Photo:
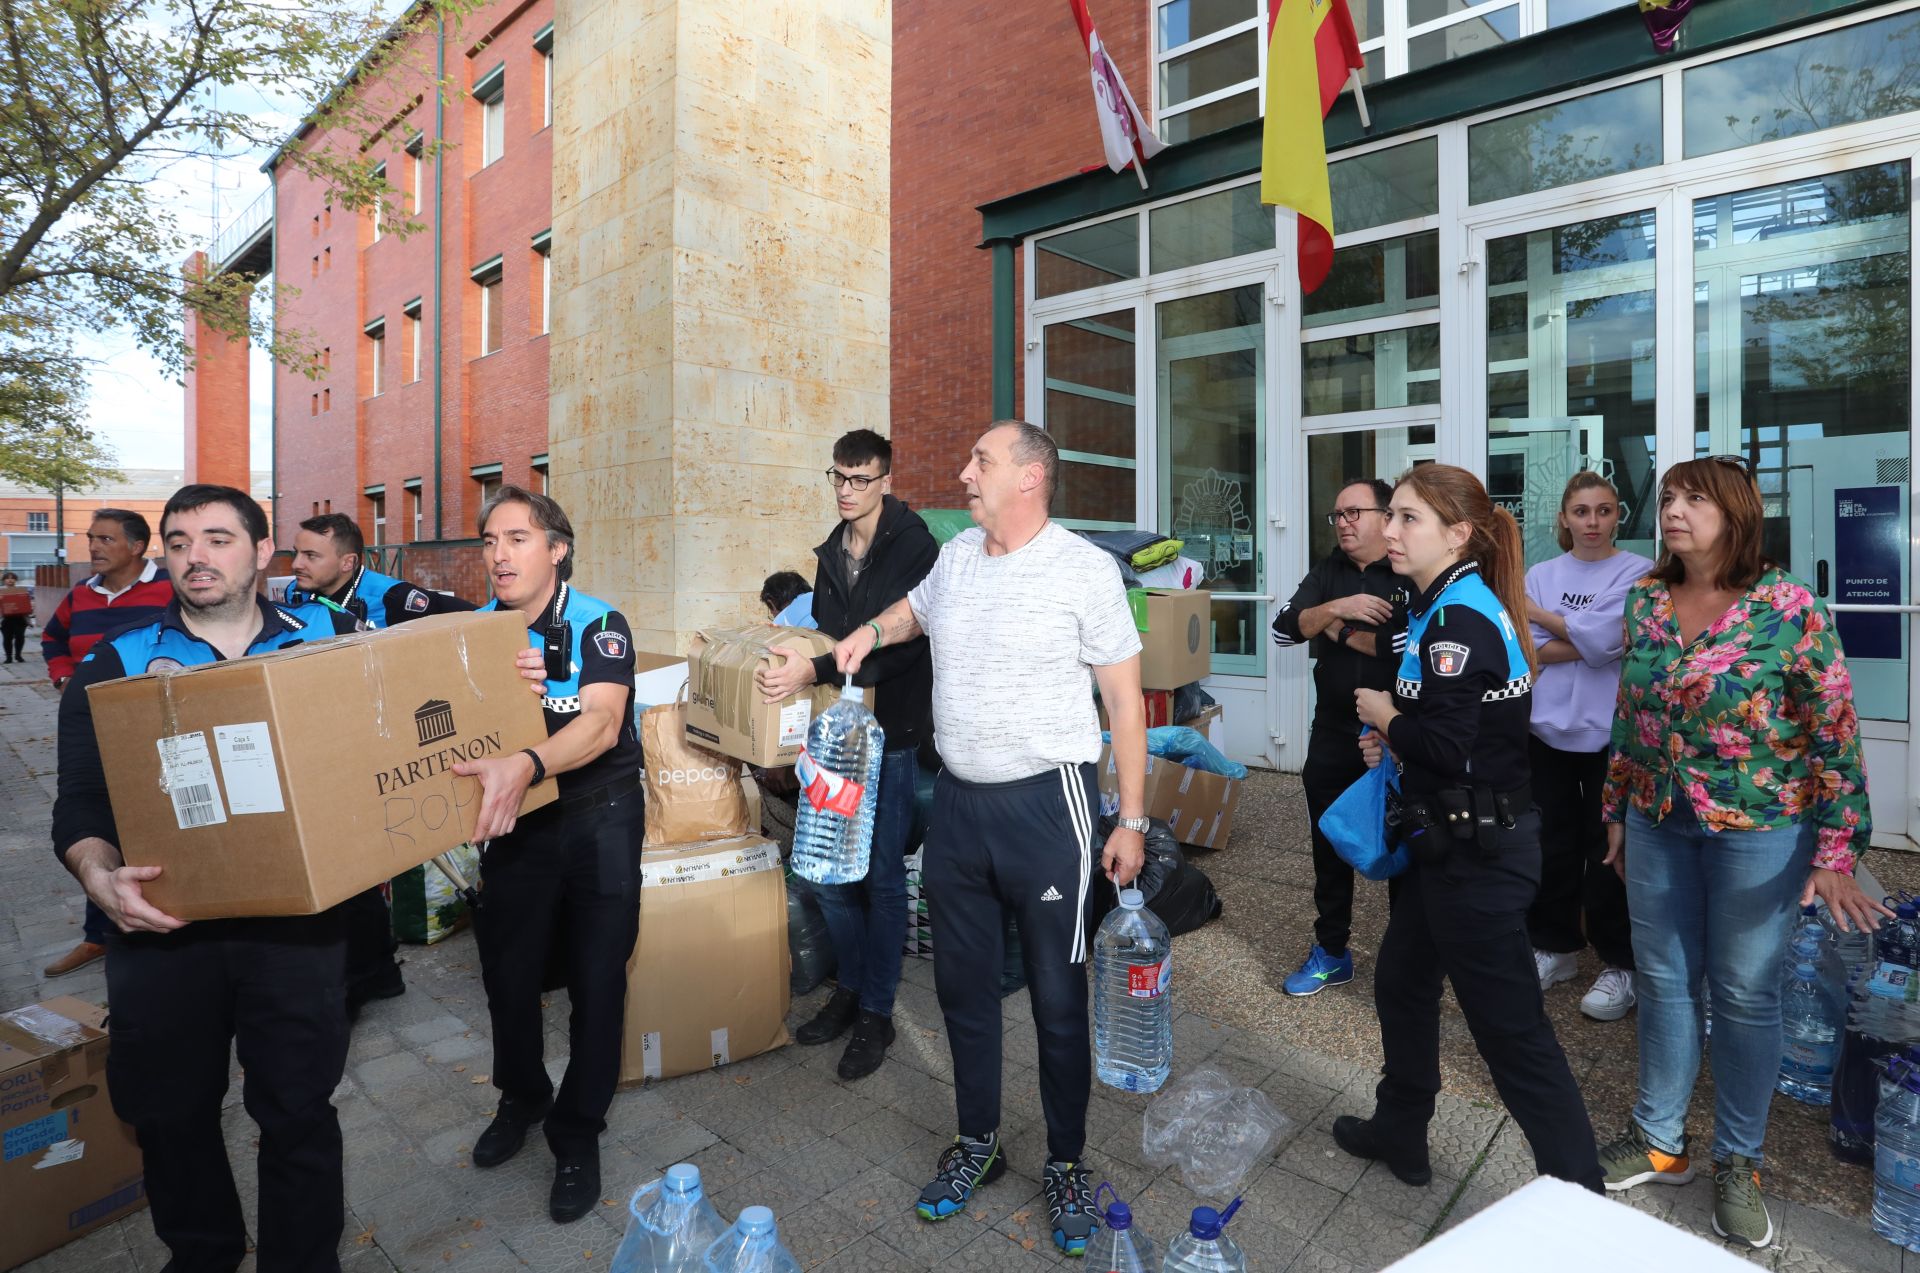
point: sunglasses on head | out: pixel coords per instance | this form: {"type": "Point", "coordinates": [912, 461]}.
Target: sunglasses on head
{"type": "Point", "coordinates": [1741, 462]}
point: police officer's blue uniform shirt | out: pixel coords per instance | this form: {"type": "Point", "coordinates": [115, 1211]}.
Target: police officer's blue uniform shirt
{"type": "Point", "coordinates": [381, 601]}
{"type": "Point", "coordinates": [81, 810]}
{"type": "Point", "coordinates": [600, 652]}
{"type": "Point", "coordinates": [1465, 690]}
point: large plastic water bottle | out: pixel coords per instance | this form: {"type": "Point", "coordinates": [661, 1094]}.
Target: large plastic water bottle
{"type": "Point", "coordinates": [1204, 1247]}
{"type": "Point", "coordinates": [1118, 1246]}
{"type": "Point", "coordinates": [1809, 1028]}
{"type": "Point", "coordinates": [750, 1246]}
{"type": "Point", "coordinates": [839, 775]}
{"type": "Point", "coordinates": [1883, 1017]}
{"type": "Point", "coordinates": [670, 1225]}
{"type": "Point", "coordinates": [1132, 1009]}
{"type": "Point", "coordinates": [1896, 1158]}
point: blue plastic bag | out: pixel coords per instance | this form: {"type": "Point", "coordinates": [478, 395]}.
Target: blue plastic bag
{"type": "Point", "coordinates": [1356, 825]}
{"type": "Point", "coordinates": [1187, 745]}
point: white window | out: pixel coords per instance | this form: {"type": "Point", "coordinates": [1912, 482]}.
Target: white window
{"type": "Point", "coordinates": [417, 170]}
{"type": "Point", "coordinates": [413, 340]}
{"type": "Point", "coordinates": [1210, 56]}
{"type": "Point", "coordinates": [488, 476]}
{"type": "Point", "coordinates": [487, 277]}
{"type": "Point", "coordinates": [546, 88]}
{"type": "Point", "coordinates": [37, 522]}
{"type": "Point", "coordinates": [379, 200]}
{"type": "Point", "coordinates": [491, 92]}
{"type": "Point", "coordinates": [539, 472]}
{"type": "Point", "coordinates": [377, 505]}
{"type": "Point", "coordinates": [377, 353]}
{"type": "Point", "coordinates": [543, 274]}
{"type": "Point", "coordinates": [413, 507]}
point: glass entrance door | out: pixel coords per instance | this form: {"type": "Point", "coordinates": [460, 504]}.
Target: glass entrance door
{"type": "Point", "coordinates": [1802, 365]}
{"type": "Point", "coordinates": [1570, 371]}
{"type": "Point", "coordinates": [1212, 457]}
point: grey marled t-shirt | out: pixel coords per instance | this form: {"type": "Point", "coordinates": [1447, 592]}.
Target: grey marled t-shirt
{"type": "Point", "coordinates": [1015, 640]}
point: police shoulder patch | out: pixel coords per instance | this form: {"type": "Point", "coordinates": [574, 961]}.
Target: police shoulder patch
{"type": "Point", "coordinates": [416, 601]}
{"type": "Point", "coordinates": [611, 644]}
{"type": "Point", "coordinates": [1449, 658]}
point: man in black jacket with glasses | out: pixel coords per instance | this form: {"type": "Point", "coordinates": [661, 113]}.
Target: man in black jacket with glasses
{"type": "Point", "coordinates": [873, 558]}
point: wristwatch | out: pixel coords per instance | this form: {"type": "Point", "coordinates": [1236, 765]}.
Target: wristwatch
{"type": "Point", "coordinates": [1346, 630]}
{"type": "Point", "coordinates": [1139, 825]}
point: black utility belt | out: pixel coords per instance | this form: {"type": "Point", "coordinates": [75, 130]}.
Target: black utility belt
{"type": "Point", "coordinates": [605, 794]}
{"type": "Point", "coordinates": [1432, 826]}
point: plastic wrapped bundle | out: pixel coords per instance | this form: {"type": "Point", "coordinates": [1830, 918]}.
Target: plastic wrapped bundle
{"type": "Point", "coordinates": [1213, 1131]}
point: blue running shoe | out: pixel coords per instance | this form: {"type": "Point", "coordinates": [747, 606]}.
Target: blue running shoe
{"type": "Point", "coordinates": [1320, 971]}
{"type": "Point", "coordinates": [1069, 1206]}
{"type": "Point", "coordinates": [964, 1166]}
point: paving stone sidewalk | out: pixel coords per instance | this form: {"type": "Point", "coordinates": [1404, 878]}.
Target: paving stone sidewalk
{"type": "Point", "coordinates": [839, 1163]}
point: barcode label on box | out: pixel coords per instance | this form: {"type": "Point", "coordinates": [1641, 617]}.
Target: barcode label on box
{"type": "Point", "coordinates": [721, 1052]}
{"type": "Point", "coordinates": [248, 769]}
{"type": "Point", "coordinates": [186, 775]}
{"type": "Point", "coordinates": [650, 1054]}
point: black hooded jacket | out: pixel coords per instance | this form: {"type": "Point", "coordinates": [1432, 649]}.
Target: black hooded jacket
{"type": "Point", "coordinates": [902, 553]}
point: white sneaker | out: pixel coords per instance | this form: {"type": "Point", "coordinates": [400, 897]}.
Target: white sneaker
{"type": "Point", "coordinates": [1611, 996]}
{"type": "Point", "coordinates": [1553, 968]}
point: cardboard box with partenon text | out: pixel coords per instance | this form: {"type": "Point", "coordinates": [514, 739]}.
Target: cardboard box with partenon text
{"type": "Point", "coordinates": [68, 1165]}
{"type": "Point", "coordinates": [284, 783]}
{"type": "Point", "coordinates": [726, 711]}
{"type": "Point", "coordinates": [707, 983]}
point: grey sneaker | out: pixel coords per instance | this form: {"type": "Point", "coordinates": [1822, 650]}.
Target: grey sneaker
{"type": "Point", "coordinates": [1630, 1159]}
{"type": "Point", "coordinates": [1739, 1212]}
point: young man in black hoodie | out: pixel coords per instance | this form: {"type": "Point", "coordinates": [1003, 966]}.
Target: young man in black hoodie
{"type": "Point", "coordinates": [873, 558]}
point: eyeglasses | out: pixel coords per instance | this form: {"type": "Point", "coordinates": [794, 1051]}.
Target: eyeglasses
{"type": "Point", "coordinates": [1741, 462]}
{"type": "Point", "coordinates": [858, 481]}
{"type": "Point", "coordinates": [1339, 515]}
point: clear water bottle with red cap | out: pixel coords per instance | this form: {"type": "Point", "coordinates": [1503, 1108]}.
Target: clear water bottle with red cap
{"type": "Point", "coordinates": [839, 776]}
{"type": "Point", "coordinates": [1205, 1246]}
{"type": "Point", "coordinates": [1119, 1245]}
{"type": "Point", "coordinates": [1132, 1009]}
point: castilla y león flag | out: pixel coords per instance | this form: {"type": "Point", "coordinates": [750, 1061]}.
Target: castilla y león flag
{"type": "Point", "coordinates": [1123, 129]}
{"type": "Point", "coordinates": [1311, 52]}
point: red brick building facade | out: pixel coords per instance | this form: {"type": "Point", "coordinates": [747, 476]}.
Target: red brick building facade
{"type": "Point", "coordinates": [975, 119]}
{"type": "Point", "coordinates": [964, 112]}
{"type": "Point", "coordinates": [403, 347]}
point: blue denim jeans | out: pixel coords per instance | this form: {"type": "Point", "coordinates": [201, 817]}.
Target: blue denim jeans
{"type": "Point", "coordinates": [868, 920]}
{"type": "Point", "coordinates": [1718, 906]}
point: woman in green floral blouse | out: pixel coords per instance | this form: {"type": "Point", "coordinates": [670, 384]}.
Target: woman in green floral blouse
{"type": "Point", "coordinates": [1735, 794]}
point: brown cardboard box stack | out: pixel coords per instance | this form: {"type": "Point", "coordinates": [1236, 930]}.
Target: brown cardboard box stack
{"type": "Point", "coordinates": [726, 712]}
{"type": "Point", "coordinates": [707, 983]}
{"type": "Point", "coordinates": [1174, 645]}
{"type": "Point", "coordinates": [68, 1165]}
{"type": "Point", "coordinates": [284, 783]}
{"type": "Point", "coordinates": [1198, 805]}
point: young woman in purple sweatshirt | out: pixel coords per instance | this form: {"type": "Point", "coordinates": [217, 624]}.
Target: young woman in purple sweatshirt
{"type": "Point", "coordinates": [1577, 603]}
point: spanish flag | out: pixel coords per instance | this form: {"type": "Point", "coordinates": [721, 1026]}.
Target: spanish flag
{"type": "Point", "coordinates": [1311, 52]}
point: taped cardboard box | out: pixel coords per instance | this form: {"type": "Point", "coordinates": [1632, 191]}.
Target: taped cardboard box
{"type": "Point", "coordinates": [1174, 645]}
{"type": "Point", "coordinates": [284, 783]}
{"type": "Point", "coordinates": [725, 711]}
{"type": "Point", "coordinates": [67, 1165]}
{"type": "Point", "coordinates": [707, 983]}
{"type": "Point", "coordinates": [1198, 805]}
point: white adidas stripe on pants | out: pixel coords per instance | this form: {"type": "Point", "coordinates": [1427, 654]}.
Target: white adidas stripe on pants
{"type": "Point", "coordinates": [1081, 816]}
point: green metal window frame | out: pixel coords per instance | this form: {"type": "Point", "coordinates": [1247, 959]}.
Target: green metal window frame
{"type": "Point", "coordinates": [492, 84]}
{"type": "Point", "coordinates": [543, 39]}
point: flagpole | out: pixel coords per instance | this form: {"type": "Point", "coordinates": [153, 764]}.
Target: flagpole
{"type": "Point", "coordinates": [1360, 99]}
{"type": "Point", "coordinates": [1139, 173]}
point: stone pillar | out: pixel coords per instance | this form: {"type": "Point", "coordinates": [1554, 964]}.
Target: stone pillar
{"type": "Point", "coordinates": [219, 406]}
{"type": "Point", "coordinates": [720, 291]}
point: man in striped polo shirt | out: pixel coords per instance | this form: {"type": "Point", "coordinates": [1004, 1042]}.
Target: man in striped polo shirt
{"type": "Point", "coordinates": [126, 587]}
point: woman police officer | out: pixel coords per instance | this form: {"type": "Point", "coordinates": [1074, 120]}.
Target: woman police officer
{"type": "Point", "coordinates": [1457, 723]}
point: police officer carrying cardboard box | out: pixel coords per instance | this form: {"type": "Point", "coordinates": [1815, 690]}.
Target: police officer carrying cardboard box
{"type": "Point", "coordinates": [183, 994]}
{"type": "Point", "coordinates": [569, 873]}
{"type": "Point", "coordinates": [329, 566]}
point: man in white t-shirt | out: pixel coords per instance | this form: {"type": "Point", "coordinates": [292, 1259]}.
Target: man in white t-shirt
{"type": "Point", "coordinates": [1022, 616]}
